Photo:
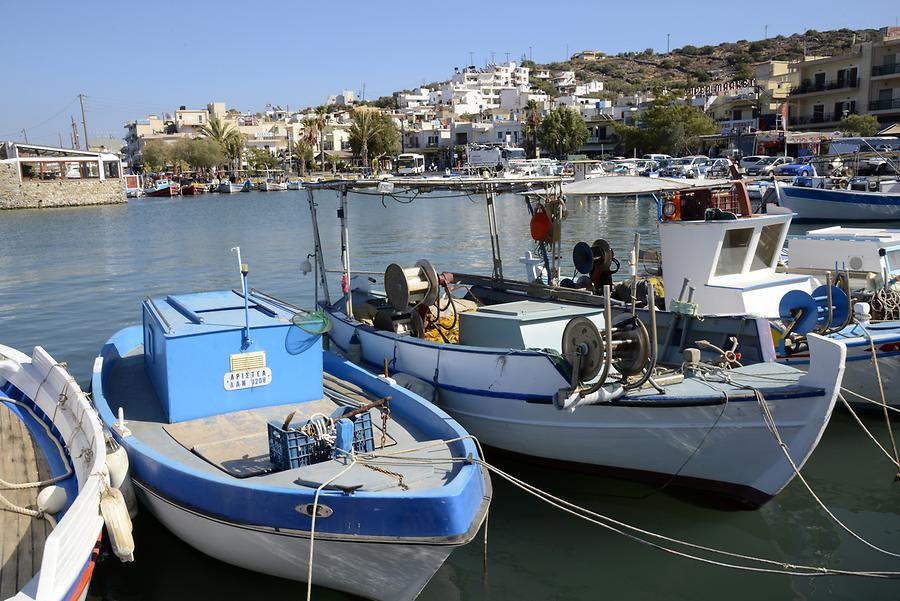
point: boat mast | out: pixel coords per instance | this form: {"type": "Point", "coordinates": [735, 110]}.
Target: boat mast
{"type": "Point", "coordinates": [345, 253]}
{"type": "Point", "coordinates": [320, 259]}
{"type": "Point", "coordinates": [495, 238]}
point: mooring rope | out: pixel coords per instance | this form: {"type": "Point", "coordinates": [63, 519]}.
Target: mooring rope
{"type": "Point", "coordinates": [887, 417]}
{"type": "Point", "coordinates": [866, 430]}
{"type": "Point", "coordinates": [770, 422]}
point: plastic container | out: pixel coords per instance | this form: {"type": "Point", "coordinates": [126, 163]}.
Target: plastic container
{"type": "Point", "coordinates": [289, 449]}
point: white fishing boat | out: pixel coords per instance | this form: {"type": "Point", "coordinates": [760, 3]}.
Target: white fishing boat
{"type": "Point", "coordinates": [271, 185]}
{"type": "Point", "coordinates": [815, 199]}
{"type": "Point", "coordinates": [573, 385]}
{"type": "Point", "coordinates": [57, 476]}
{"type": "Point", "coordinates": [295, 184]}
{"type": "Point", "coordinates": [228, 187]}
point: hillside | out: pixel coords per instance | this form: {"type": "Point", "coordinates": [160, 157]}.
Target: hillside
{"type": "Point", "coordinates": [631, 72]}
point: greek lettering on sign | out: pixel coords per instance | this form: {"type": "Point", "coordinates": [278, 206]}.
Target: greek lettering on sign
{"type": "Point", "coordinates": [247, 378]}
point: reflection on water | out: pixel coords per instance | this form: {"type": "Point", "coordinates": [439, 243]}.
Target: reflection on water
{"type": "Point", "coordinates": [69, 278]}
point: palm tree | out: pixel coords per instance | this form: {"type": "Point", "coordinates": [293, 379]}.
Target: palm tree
{"type": "Point", "coordinates": [311, 134]}
{"type": "Point", "coordinates": [531, 125]}
{"type": "Point", "coordinates": [367, 124]}
{"type": "Point", "coordinates": [226, 135]}
{"type": "Point", "coordinates": [321, 121]}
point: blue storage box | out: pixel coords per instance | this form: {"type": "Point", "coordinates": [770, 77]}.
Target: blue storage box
{"type": "Point", "coordinates": [289, 449]}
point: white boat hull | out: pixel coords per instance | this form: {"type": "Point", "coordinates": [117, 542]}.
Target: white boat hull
{"type": "Point", "coordinates": [725, 448]}
{"type": "Point", "coordinates": [374, 570]}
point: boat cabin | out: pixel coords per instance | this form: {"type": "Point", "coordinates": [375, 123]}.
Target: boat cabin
{"type": "Point", "coordinates": [859, 250]}
{"type": "Point", "coordinates": [205, 354]}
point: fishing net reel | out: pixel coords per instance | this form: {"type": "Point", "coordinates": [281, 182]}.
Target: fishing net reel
{"type": "Point", "coordinates": [625, 346]}
{"type": "Point", "coordinates": [825, 311]}
{"type": "Point", "coordinates": [597, 262]}
{"type": "Point", "coordinates": [412, 292]}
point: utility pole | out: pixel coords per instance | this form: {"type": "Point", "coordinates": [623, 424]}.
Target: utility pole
{"type": "Point", "coordinates": [75, 143]}
{"type": "Point", "coordinates": [84, 122]}
{"type": "Point", "coordinates": [766, 32]}
{"type": "Point", "coordinates": [25, 135]}
{"type": "Point", "coordinates": [471, 58]}
{"type": "Point", "coordinates": [507, 57]}
{"type": "Point", "coordinates": [668, 35]}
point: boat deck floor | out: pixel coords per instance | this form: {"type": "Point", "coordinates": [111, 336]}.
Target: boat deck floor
{"type": "Point", "coordinates": [21, 537]}
{"type": "Point", "coordinates": [235, 444]}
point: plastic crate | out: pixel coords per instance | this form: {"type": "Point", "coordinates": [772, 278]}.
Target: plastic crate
{"type": "Point", "coordinates": [289, 449]}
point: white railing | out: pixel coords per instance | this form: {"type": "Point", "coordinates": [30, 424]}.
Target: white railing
{"type": "Point", "coordinates": [58, 396]}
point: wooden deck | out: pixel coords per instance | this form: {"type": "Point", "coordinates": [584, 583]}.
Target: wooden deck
{"type": "Point", "coordinates": [21, 537]}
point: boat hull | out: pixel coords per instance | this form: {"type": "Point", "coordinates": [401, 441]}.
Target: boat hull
{"type": "Point", "coordinates": [504, 399]}
{"type": "Point", "coordinates": [817, 204]}
{"type": "Point", "coordinates": [374, 570]}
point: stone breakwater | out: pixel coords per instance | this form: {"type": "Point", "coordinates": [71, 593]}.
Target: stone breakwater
{"type": "Point", "coordinates": [56, 193]}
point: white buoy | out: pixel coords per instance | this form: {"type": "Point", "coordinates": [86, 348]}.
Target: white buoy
{"type": "Point", "coordinates": [52, 499]}
{"type": "Point", "coordinates": [117, 465]}
{"type": "Point", "coordinates": [118, 523]}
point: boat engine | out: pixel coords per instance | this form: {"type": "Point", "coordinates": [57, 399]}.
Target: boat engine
{"type": "Point", "coordinates": [626, 345]}
{"type": "Point", "coordinates": [825, 311]}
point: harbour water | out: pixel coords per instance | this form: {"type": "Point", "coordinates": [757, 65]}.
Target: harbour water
{"type": "Point", "coordinates": [71, 277]}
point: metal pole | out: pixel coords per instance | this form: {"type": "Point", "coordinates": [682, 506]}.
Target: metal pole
{"type": "Point", "coordinates": [320, 258]}
{"type": "Point", "coordinates": [25, 135]}
{"type": "Point", "coordinates": [87, 145]}
{"type": "Point", "coordinates": [345, 252]}
{"type": "Point", "coordinates": [495, 238]}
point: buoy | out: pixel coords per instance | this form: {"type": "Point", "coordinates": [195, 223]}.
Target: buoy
{"type": "Point", "coordinates": [117, 465]}
{"type": "Point", "coordinates": [540, 224]}
{"type": "Point", "coordinates": [52, 499]}
{"type": "Point", "coordinates": [118, 523]}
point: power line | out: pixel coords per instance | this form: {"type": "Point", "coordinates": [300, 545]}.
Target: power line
{"type": "Point", "coordinates": [44, 122]}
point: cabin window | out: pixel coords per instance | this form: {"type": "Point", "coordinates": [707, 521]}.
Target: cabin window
{"type": "Point", "coordinates": [111, 169]}
{"type": "Point", "coordinates": [767, 247]}
{"type": "Point", "coordinates": [734, 251]}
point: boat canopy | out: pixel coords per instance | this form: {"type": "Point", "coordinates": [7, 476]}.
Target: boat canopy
{"type": "Point", "coordinates": [632, 185]}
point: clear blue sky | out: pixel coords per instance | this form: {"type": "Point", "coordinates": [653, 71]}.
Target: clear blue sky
{"type": "Point", "coordinates": [131, 59]}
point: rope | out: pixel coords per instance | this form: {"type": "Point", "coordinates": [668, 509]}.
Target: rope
{"type": "Point", "coordinates": [620, 527]}
{"type": "Point", "coordinates": [770, 422]}
{"type": "Point", "coordinates": [868, 400]}
{"type": "Point", "coordinates": [866, 430]}
{"type": "Point", "coordinates": [887, 417]}
{"type": "Point", "coordinates": [312, 529]}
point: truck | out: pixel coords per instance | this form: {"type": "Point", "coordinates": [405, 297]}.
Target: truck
{"type": "Point", "coordinates": [484, 156]}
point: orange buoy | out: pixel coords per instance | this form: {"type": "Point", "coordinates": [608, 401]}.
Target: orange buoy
{"type": "Point", "coordinates": [540, 224]}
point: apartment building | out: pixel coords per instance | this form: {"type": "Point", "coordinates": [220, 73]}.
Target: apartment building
{"type": "Point", "coordinates": [866, 80]}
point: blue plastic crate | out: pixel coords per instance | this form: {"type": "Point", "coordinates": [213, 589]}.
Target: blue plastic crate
{"type": "Point", "coordinates": [289, 449]}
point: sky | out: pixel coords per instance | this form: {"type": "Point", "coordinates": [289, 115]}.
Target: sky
{"type": "Point", "coordinates": [135, 59]}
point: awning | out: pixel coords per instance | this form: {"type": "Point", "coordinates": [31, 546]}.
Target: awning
{"type": "Point", "coordinates": [632, 185]}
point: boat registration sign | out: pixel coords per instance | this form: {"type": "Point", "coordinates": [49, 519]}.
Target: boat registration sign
{"type": "Point", "coordinates": [248, 378]}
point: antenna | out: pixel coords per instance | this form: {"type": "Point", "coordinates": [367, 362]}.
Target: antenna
{"type": "Point", "coordinates": [244, 269]}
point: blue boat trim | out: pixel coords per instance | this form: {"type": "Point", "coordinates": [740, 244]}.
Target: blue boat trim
{"type": "Point", "coordinates": [843, 196]}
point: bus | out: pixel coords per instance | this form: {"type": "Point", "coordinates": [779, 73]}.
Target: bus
{"type": "Point", "coordinates": [410, 164]}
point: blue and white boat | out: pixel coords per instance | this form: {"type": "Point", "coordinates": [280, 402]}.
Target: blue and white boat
{"type": "Point", "coordinates": [816, 200]}
{"type": "Point", "coordinates": [55, 478]}
{"type": "Point", "coordinates": [238, 447]}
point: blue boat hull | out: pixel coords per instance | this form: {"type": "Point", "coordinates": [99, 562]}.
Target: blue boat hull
{"type": "Point", "coordinates": [817, 204]}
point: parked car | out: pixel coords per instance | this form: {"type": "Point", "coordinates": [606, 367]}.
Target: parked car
{"type": "Point", "coordinates": [802, 166]}
{"type": "Point", "coordinates": [747, 162]}
{"type": "Point", "coordinates": [686, 166]}
{"type": "Point", "coordinates": [719, 167]}
{"type": "Point", "coordinates": [768, 165]}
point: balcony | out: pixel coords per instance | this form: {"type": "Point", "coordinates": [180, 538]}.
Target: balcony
{"type": "Point", "coordinates": [885, 105]}
{"type": "Point", "coordinates": [819, 118]}
{"type": "Point", "coordinates": [810, 87]}
{"type": "Point", "coordinates": [889, 69]}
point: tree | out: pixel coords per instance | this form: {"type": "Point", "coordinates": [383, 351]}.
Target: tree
{"type": "Point", "coordinates": [667, 127]}
{"type": "Point", "coordinates": [321, 121]}
{"type": "Point", "coordinates": [199, 153]}
{"type": "Point", "coordinates": [530, 127]}
{"type": "Point", "coordinates": [226, 136]}
{"type": "Point", "coordinates": [261, 159]}
{"type": "Point", "coordinates": [373, 133]}
{"type": "Point", "coordinates": [859, 125]}
{"type": "Point", "coordinates": [563, 130]}
{"type": "Point", "coordinates": [155, 156]}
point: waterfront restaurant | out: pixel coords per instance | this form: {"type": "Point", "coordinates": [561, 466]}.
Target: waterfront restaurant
{"type": "Point", "coordinates": [33, 176]}
{"type": "Point", "coordinates": [50, 163]}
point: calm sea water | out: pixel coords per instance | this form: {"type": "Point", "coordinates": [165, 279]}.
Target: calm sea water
{"type": "Point", "coordinates": [69, 278]}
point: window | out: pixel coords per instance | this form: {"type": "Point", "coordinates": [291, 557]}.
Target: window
{"type": "Point", "coordinates": [767, 247]}
{"type": "Point", "coordinates": [111, 169]}
{"type": "Point", "coordinates": [734, 251]}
